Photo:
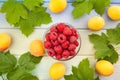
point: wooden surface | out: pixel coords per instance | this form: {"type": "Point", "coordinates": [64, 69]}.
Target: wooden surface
{"type": "Point", "coordinates": [21, 43]}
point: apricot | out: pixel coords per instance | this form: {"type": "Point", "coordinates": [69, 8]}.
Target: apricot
{"type": "Point", "coordinates": [114, 12]}
{"type": "Point", "coordinates": [96, 23]}
{"type": "Point", "coordinates": [57, 6]}
{"type": "Point", "coordinates": [104, 68]}
{"type": "Point", "coordinates": [5, 41]}
{"type": "Point", "coordinates": [37, 48]}
{"type": "Point", "coordinates": [57, 71]}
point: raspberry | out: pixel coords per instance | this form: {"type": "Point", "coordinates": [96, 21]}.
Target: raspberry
{"type": "Point", "coordinates": [53, 35]}
{"type": "Point", "coordinates": [65, 44]}
{"type": "Point", "coordinates": [47, 44]}
{"type": "Point", "coordinates": [76, 36]}
{"type": "Point", "coordinates": [72, 53]}
{"type": "Point", "coordinates": [73, 39]}
{"type": "Point", "coordinates": [74, 32]}
{"type": "Point", "coordinates": [72, 47]}
{"type": "Point", "coordinates": [58, 56]}
{"type": "Point", "coordinates": [61, 27]}
{"type": "Point", "coordinates": [66, 54]}
{"type": "Point", "coordinates": [58, 49]}
{"type": "Point", "coordinates": [67, 31]}
{"type": "Point", "coordinates": [47, 36]}
{"type": "Point", "coordinates": [76, 43]}
{"type": "Point", "coordinates": [54, 42]}
{"type": "Point", "coordinates": [53, 29]}
{"type": "Point", "coordinates": [61, 38]}
{"type": "Point", "coordinates": [51, 52]}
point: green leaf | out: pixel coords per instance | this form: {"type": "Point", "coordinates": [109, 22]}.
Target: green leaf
{"type": "Point", "coordinates": [31, 4]}
{"type": "Point", "coordinates": [26, 15]}
{"type": "Point", "coordinates": [103, 46]}
{"type": "Point", "coordinates": [14, 11]}
{"type": "Point", "coordinates": [39, 16]}
{"type": "Point", "coordinates": [16, 73]}
{"type": "Point", "coordinates": [100, 6]}
{"type": "Point", "coordinates": [70, 77]}
{"type": "Point", "coordinates": [28, 76]}
{"type": "Point", "coordinates": [20, 74]}
{"type": "Point", "coordinates": [28, 61]}
{"type": "Point", "coordinates": [7, 62]}
{"type": "Point", "coordinates": [7, 6]}
{"type": "Point", "coordinates": [83, 72]}
{"type": "Point", "coordinates": [35, 18]}
{"type": "Point", "coordinates": [81, 9]}
{"type": "Point", "coordinates": [114, 57]}
{"type": "Point", "coordinates": [26, 27]}
{"type": "Point", "coordinates": [114, 35]}
{"type": "Point", "coordinates": [76, 2]}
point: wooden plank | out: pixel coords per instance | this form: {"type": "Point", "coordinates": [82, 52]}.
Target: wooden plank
{"type": "Point", "coordinates": [112, 1]}
{"type": "Point", "coordinates": [42, 70]}
{"type": "Point", "coordinates": [21, 43]}
{"type": "Point", "coordinates": [67, 18]}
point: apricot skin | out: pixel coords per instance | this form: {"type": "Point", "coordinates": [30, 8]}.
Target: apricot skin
{"type": "Point", "coordinates": [5, 41]}
{"type": "Point", "coordinates": [36, 48]}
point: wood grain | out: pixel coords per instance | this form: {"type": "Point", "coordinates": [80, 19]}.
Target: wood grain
{"type": "Point", "coordinates": [20, 43]}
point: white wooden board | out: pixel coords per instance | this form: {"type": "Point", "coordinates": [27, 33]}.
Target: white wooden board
{"type": "Point", "coordinates": [21, 43]}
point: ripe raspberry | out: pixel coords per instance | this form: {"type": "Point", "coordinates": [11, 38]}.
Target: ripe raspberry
{"type": "Point", "coordinates": [72, 53]}
{"type": "Point", "coordinates": [54, 42]}
{"type": "Point", "coordinates": [72, 47]}
{"type": "Point", "coordinates": [58, 56]}
{"type": "Point", "coordinates": [47, 44]}
{"type": "Point", "coordinates": [76, 36]}
{"type": "Point", "coordinates": [47, 36]}
{"type": "Point", "coordinates": [58, 49]}
{"type": "Point", "coordinates": [65, 54]}
{"type": "Point", "coordinates": [53, 35]}
{"type": "Point", "coordinates": [61, 38]}
{"type": "Point", "coordinates": [53, 29]}
{"type": "Point", "coordinates": [61, 27]}
{"type": "Point", "coordinates": [67, 31]}
{"type": "Point", "coordinates": [76, 43]}
{"type": "Point", "coordinates": [65, 44]}
{"type": "Point", "coordinates": [73, 39]}
{"type": "Point", "coordinates": [74, 32]}
{"type": "Point", "coordinates": [51, 52]}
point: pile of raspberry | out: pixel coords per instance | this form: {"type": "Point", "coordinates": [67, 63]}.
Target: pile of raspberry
{"type": "Point", "coordinates": [61, 41]}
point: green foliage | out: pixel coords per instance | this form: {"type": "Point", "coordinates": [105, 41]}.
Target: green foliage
{"type": "Point", "coordinates": [103, 46]}
{"type": "Point", "coordinates": [31, 4]}
{"type": "Point", "coordinates": [26, 15]}
{"type": "Point", "coordinates": [100, 6]}
{"type": "Point", "coordinates": [20, 74]}
{"type": "Point", "coordinates": [22, 69]}
{"type": "Point", "coordinates": [83, 72]}
{"type": "Point", "coordinates": [28, 61]}
{"type": "Point", "coordinates": [7, 62]}
{"type": "Point", "coordinates": [114, 35]}
{"type": "Point", "coordinates": [82, 7]}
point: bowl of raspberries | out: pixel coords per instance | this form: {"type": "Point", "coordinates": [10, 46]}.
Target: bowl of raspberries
{"type": "Point", "coordinates": [62, 41]}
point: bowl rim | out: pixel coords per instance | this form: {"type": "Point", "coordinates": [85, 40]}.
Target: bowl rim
{"type": "Point", "coordinates": [79, 40]}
